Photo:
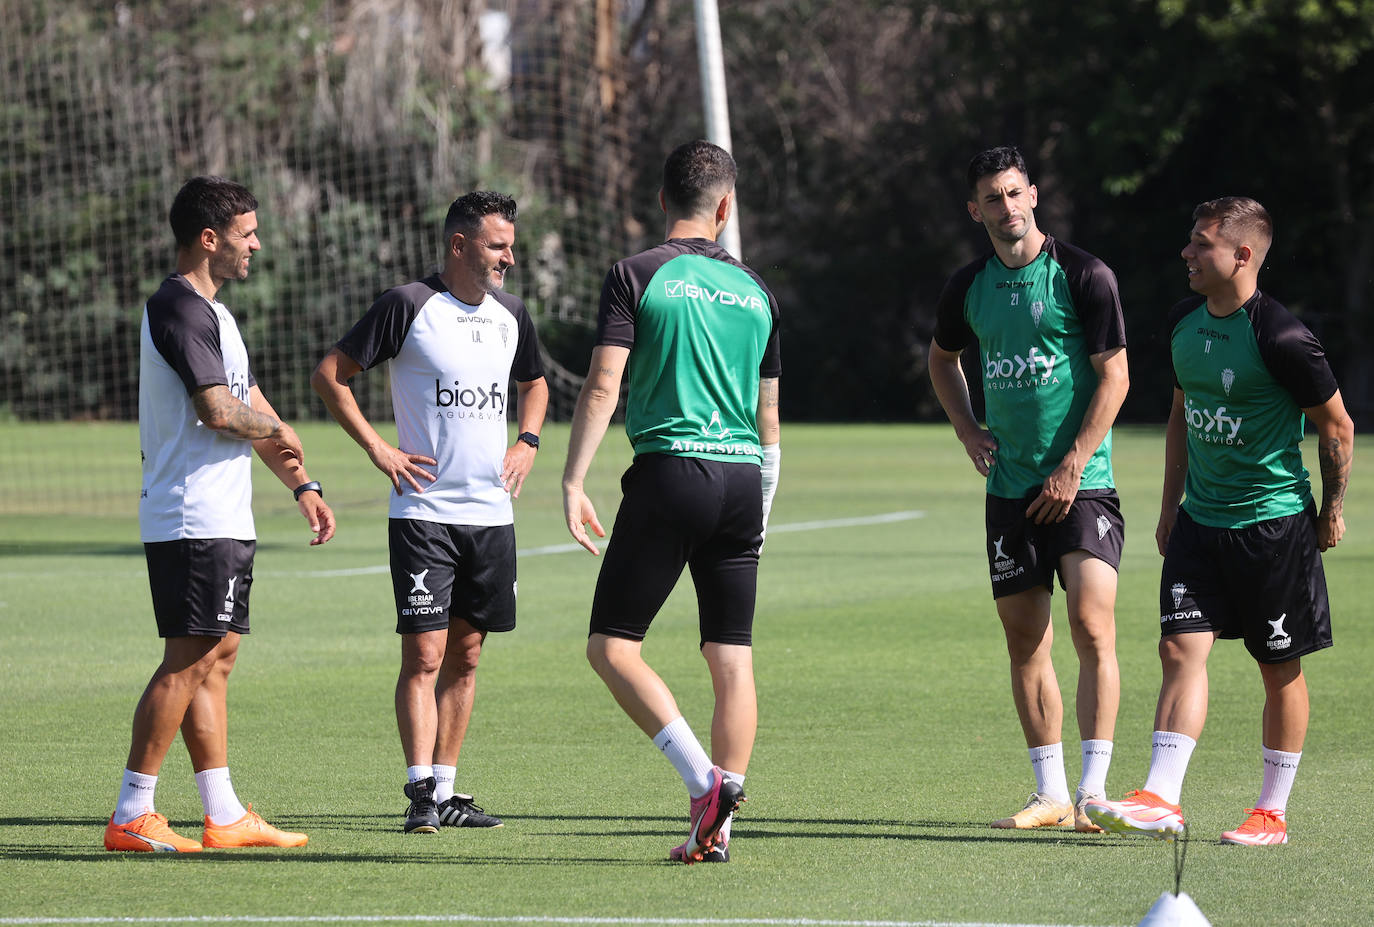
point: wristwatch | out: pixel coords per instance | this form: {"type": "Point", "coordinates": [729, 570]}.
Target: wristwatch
{"type": "Point", "coordinates": [529, 438]}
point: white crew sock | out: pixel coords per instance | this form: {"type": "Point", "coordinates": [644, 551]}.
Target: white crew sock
{"type": "Point", "coordinates": [1169, 756]}
{"type": "Point", "coordinates": [1279, 771]}
{"type": "Point", "coordinates": [1097, 756]}
{"type": "Point", "coordinates": [416, 773]}
{"type": "Point", "coordinates": [684, 751]}
{"type": "Point", "coordinates": [443, 782]}
{"type": "Point", "coordinates": [725, 828]}
{"type": "Point", "coordinates": [217, 796]}
{"type": "Point", "coordinates": [135, 796]}
{"type": "Point", "coordinates": [1048, 763]}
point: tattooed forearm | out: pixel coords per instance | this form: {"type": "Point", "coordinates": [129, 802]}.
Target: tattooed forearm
{"type": "Point", "coordinates": [1335, 467]}
{"type": "Point", "coordinates": [221, 412]}
{"type": "Point", "coordinates": [768, 393]}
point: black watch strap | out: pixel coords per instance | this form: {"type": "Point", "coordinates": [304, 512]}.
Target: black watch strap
{"type": "Point", "coordinates": [306, 487]}
{"type": "Point", "coordinates": [529, 438]}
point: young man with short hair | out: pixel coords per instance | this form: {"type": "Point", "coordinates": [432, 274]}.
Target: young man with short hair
{"type": "Point", "coordinates": [1239, 531]}
{"type": "Point", "coordinates": [200, 415]}
{"type": "Point", "coordinates": [698, 332]}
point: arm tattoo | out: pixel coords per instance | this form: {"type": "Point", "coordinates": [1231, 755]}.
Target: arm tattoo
{"type": "Point", "coordinates": [233, 417]}
{"type": "Point", "coordinates": [768, 393]}
{"type": "Point", "coordinates": [1335, 466]}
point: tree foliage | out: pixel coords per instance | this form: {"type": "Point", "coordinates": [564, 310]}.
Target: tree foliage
{"type": "Point", "coordinates": [852, 124]}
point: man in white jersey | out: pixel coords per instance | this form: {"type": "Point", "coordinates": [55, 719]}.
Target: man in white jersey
{"type": "Point", "coordinates": [200, 412]}
{"type": "Point", "coordinates": [455, 341]}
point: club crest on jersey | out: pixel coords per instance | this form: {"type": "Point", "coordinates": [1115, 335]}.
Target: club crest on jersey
{"type": "Point", "coordinates": [504, 329]}
{"type": "Point", "coordinates": [1037, 312]}
{"type": "Point", "coordinates": [1228, 379]}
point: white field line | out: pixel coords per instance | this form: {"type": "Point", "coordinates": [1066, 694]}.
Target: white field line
{"type": "Point", "coordinates": [527, 919]}
{"type": "Point", "coordinates": [857, 522]}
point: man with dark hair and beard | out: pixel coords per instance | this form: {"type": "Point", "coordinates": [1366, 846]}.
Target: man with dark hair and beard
{"type": "Point", "coordinates": [200, 416]}
{"type": "Point", "coordinates": [1049, 323]}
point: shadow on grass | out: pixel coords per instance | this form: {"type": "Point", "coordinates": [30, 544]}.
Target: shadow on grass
{"type": "Point", "coordinates": [85, 845]}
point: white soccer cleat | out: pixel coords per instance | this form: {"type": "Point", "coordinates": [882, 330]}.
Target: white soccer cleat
{"type": "Point", "coordinates": [1140, 812]}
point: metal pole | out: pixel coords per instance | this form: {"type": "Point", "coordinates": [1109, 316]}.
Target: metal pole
{"type": "Point", "coordinates": [717, 110]}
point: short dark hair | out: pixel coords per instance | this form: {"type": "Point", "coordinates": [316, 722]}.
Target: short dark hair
{"type": "Point", "coordinates": [696, 175]}
{"type": "Point", "coordinates": [1239, 217]}
{"type": "Point", "coordinates": [466, 213]}
{"type": "Point", "coordinates": [207, 203]}
{"type": "Point", "coordinates": [995, 161]}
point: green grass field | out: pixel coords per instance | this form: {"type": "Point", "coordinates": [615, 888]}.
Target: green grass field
{"type": "Point", "coordinates": [887, 739]}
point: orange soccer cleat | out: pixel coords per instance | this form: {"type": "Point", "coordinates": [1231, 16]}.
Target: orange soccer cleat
{"type": "Point", "coordinates": [1262, 828]}
{"type": "Point", "coordinates": [250, 831]}
{"type": "Point", "coordinates": [147, 833]}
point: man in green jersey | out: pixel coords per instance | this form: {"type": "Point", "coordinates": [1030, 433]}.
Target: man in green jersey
{"type": "Point", "coordinates": [1048, 320]}
{"type": "Point", "coordinates": [699, 333]}
{"type": "Point", "coordinates": [1242, 552]}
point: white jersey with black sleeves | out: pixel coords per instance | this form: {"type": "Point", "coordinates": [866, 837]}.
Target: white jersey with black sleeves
{"type": "Point", "coordinates": [451, 367]}
{"type": "Point", "coordinates": [196, 482]}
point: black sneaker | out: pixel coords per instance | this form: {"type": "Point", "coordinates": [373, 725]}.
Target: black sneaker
{"type": "Point", "coordinates": [422, 817]}
{"type": "Point", "coordinates": [720, 853]}
{"type": "Point", "coordinates": [459, 811]}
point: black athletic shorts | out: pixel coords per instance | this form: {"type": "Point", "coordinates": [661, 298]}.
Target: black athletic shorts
{"type": "Point", "coordinates": [1263, 583]}
{"type": "Point", "coordinates": [676, 512]}
{"type": "Point", "coordinates": [1023, 555]}
{"type": "Point", "coordinates": [441, 571]}
{"type": "Point", "coordinates": [200, 585]}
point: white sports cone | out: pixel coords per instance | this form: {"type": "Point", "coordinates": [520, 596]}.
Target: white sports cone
{"type": "Point", "coordinates": [1175, 911]}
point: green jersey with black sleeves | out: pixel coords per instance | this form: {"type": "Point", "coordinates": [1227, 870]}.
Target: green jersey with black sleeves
{"type": "Point", "coordinates": [702, 329]}
{"type": "Point", "coordinates": [1037, 328]}
{"type": "Point", "coordinates": [1246, 377]}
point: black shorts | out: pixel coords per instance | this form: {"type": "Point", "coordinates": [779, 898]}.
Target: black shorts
{"type": "Point", "coordinates": [1023, 555]}
{"type": "Point", "coordinates": [676, 512]}
{"type": "Point", "coordinates": [440, 572]}
{"type": "Point", "coordinates": [1263, 583]}
{"type": "Point", "coordinates": [200, 585]}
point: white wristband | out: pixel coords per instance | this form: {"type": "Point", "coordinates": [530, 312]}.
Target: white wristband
{"type": "Point", "coordinates": [772, 462]}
